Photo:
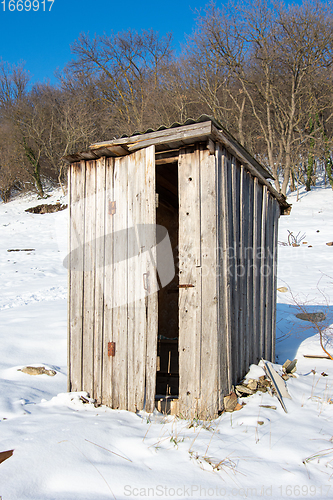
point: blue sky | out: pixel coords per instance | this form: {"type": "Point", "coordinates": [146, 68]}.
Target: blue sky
{"type": "Point", "coordinates": [42, 38]}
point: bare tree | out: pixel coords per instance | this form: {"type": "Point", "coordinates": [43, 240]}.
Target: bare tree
{"type": "Point", "coordinates": [273, 53]}
{"type": "Point", "coordinates": [14, 108]}
{"type": "Point", "coordinates": [213, 86]}
{"type": "Point", "coordinates": [126, 70]}
{"type": "Point", "coordinates": [11, 155]}
{"type": "Point", "coordinates": [58, 123]}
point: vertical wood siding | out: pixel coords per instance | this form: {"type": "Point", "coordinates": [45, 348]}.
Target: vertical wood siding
{"type": "Point", "coordinates": [99, 279]}
{"type": "Point", "coordinates": [107, 334]}
{"type": "Point", "coordinates": [76, 241]}
{"type": "Point", "coordinates": [227, 275]}
{"type": "Point", "coordinates": [189, 274]}
{"type": "Point", "coordinates": [110, 300]}
{"type": "Point", "coordinates": [209, 345]}
{"type": "Point", "coordinates": [198, 350]}
{"type": "Point", "coordinates": [89, 276]}
{"type": "Point", "coordinates": [223, 276]}
{"type": "Point", "coordinates": [247, 242]}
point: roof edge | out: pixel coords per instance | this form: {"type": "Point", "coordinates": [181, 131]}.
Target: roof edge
{"type": "Point", "coordinates": [177, 136]}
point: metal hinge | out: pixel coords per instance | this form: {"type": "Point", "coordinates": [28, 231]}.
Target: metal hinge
{"type": "Point", "coordinates": [146, 282]}
{"type": "Point", "coordinates": [111, 349]}
{"type": "Point", "coordinates": [112, 207]}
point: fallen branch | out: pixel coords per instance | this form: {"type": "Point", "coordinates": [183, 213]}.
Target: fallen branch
{"type": "Point", "coordinates": [316, 356]}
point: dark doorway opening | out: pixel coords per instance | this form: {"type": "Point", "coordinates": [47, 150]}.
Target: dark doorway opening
{"type": "Point", "coordinates": [167, 215]}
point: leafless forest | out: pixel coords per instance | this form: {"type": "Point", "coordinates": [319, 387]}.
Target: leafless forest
{"type": "Point", "coordinates": [265, 73]}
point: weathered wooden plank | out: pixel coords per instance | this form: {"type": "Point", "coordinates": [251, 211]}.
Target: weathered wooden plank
{"type": "Point", "coordinates": [274, 213]}
{"type": "Point", "coordinates": [170, 156]}
{"type": "Point", "coordinates": [138, 280]}
{"type": "Point", "coordinates": [73, 158]}
{"type": "Point", "coordinates": [107, 382]}
{"type": "Point", "coordinates": [77, 157]}
{"type": "Point", "coordinates": [250, 260]}
{"type": "Point", "coordinates": [257, 214]}
{"type": "Point", "coordinates": [77, 186]}
{"type": "Point", "coordinates": [223, 280]}
{"type": "Point", "coordinates": [269, 277]}
{"type": "Point", "coordinates": [228, 260]}
{"type": "Point", "coordinates": [263, 263]}
{"type": "Point", "coordinates": [245, 269]}
{"type": "Point", "coordinates": [189, 190]}
{"type": "Point", "coordinates": [89, 155]}
{"type": "Point", "coordinates": [69, 333]}
{"type": "Point", "coordinates": [235, 291]}
{"type": "Point", "coordinates": [136, 324]}
{"type": "Point", "coordinates": [99, 353]}
{"type": "Point", "coordinates": [209, 353]}
{"type": "Point", "coordinates": [152, 297]}
{"type": "Point", "coordinates": [120, 283]}
{"type": "Point", "coordinates": [111, 151]}
{"type": "Point", "coordinates": [189, 344]}
{"type": "Point", "coordinates": [89, 279]}
{"type": "Point", "coordinates": [220, 331]}
{"type": "Point", "coordinates": [241, 271]}
{"type": "Point", "coordinates": [275, 252]}
{"type": "Point", "coordinates": [195, 131]}
{"type": "Point", "coordinates": [133, 227]}
{"type": "Point", "coordinates": [189, 273]}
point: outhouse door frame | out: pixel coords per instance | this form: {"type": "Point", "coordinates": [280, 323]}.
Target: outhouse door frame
{"type": "Point", "coordinates": [134, 281]}
{"type": "Point", "coordinates": [112, 280]}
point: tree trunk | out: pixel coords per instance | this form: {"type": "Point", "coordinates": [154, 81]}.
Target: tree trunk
{"type": "Point", "coordinates": [59, 179]}
{"type": "Point", "coordinates": [38, 181]}
{"type": "Point", "coordinates": [36, 168]}
{"type": "Point", "coordinates": [5, 194]}
{"type": "Point", "coordinates": [292, 181]}
{"type": "Point", "coordinates": [285, 180]}
{"type": "Point", "coordinates": [309, 172]}
{"type": "Point", "coordinates": [328, 168]}
{"type": "Point", "coordinates": [328, 162]}
{"type": "Point", "coordinates": [286, 173]}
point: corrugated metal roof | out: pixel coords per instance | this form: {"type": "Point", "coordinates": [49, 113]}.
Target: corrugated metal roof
{"type": "Point", "coordinates": [124, 141]}
{"type": "Point", "coordinates": [189, 121]}
{"type": "Point", "coordinates": [170, 139]}
{"type": "Point", "coordinates": [120, 147]}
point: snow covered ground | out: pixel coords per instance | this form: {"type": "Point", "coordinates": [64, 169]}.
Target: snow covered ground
{"type": "Point", "coordinates": [67, 449]}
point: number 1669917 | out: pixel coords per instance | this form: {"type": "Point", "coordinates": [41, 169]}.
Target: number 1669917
{"type": "Point", "coordinates": [27, 5]}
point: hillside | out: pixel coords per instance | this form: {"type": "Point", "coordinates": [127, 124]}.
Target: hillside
{"type": "Point", "coordinates": [65, 448]}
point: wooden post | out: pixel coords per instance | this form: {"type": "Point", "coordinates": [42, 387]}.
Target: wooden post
{"type": "Point", "coordinates": [99, 354]}
{"type": "Point", "coordinates": [223, 279]}
{"type": "Point", "coordinates": [189, 273]}
{"type": "Point", "coordinates": [120, 277]}
{"type": "Point", "coordinates": [209, 307]}
{"type": "Point", "coordinates": [76, 256]}
{"type": "Point", "coordinates": [107, 369]}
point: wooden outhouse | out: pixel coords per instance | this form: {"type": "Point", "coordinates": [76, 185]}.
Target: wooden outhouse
{"type": "Point", "coordinates": [176, 316]}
